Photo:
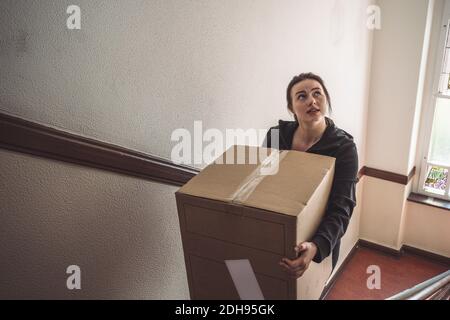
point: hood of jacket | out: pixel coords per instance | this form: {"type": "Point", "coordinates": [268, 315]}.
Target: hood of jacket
{"type": "Point", "coordinates": [332, 138]}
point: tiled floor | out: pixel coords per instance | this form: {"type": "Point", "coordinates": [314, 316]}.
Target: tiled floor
{"type": "Point", "coordinates": [397, 274]}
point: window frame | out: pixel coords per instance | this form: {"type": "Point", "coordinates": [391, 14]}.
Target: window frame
{"type": "Point", "coordinates": [429, 109]}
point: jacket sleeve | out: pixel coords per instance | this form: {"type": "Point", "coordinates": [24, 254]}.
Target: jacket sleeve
{"type": "Point", "coordinates": [341, 202]}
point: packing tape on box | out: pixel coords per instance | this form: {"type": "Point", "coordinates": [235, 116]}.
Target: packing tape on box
{"type": "Point", "coordinates": [268, 167]}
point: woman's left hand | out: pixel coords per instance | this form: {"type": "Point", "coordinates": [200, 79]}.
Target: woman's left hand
{"type": "Point", "coordinates": [305, 252]}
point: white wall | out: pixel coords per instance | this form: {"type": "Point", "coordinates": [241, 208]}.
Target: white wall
{"type": "Point", "coordinates": [426, 75]}
{"type": "Point", "coordinates": [135, 72]}
{"type": "Point", "coordinates": [382, 203]}
{"type": "Point", "coordinates": [396, 62]}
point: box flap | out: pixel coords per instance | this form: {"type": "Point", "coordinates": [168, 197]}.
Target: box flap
{"type": "Point", "coordinates": [287, 191]}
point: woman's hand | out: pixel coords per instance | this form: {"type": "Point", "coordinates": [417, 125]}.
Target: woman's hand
{"type": "Point", "coordinates": [305, 252]}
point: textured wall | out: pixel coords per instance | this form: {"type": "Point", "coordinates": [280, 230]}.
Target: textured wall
{"type": "Point", "coordinates": [137, 70]}
{"type": "Point", "coordinates": [122, 232]}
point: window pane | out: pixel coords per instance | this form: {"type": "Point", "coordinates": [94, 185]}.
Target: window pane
{"type": "Point", "coordinates": [437, 179]}
{"type": "Point", "coordinates": [446, 67]}
{"type": "Point", "coordinates": [440, 136]}
{"type": "Point", "coordinates": [444, 84]}
{"type": "Point", "coordinates": [447, 43]}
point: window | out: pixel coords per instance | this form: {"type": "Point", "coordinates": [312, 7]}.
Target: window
{"type": "Point", "coordinates": [435, 166]}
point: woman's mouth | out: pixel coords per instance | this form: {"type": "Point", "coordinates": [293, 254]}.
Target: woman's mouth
{"type": "Point", "coordinates": [313, 111]}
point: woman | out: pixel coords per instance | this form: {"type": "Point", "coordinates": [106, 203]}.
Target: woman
{"type": "Point", "coordinates": [309, 101]}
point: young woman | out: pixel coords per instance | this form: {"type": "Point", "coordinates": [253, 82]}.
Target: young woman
{"type": "Point", "coordinates": [312, 131]}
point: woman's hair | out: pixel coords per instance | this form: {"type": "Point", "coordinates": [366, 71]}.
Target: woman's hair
{"type": "Point", "coordinates": [301, 77]}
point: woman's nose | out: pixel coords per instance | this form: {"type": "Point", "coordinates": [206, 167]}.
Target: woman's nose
{"type": "Point", "coordinates": [310, 101]}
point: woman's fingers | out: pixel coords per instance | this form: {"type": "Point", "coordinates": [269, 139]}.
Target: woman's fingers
{"type": "Point", "coordinates": [296, 263]}
{"type": "Point", "coordinates": [296, 273]}
{"type": "Point", "coordinates": [298, 266]}
{"type": "Point", "coordinates": [300, 248]}
{"type": "Point", "coordinates": [293, 266]}
{"type": "Point", "coordinates": [288, 267]}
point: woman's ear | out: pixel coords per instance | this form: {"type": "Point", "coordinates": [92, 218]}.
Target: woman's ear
{"type": "Point", "coordinates": [293, 114]}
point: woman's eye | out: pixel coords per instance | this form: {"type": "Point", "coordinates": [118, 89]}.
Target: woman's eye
{"type": "Point", "coordinates": [317, 93]}
{"type": "Point", "coordinates": [301, 96]}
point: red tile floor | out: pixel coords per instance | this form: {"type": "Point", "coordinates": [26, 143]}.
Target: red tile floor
{"type": "Point", "coordinates": [397, 274]}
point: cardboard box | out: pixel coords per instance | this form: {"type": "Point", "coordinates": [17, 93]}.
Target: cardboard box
{"type": "Point", "coordinates": [244, 211]}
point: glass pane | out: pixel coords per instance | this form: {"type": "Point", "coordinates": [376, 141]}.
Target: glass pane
{"type": "Point", "coordinates": [446, 67]}
{"type": "Point", "coordinates": [437, 179]}
{"type": "Point", "coordinates": [444, 84]}
{"type": "Point", "coordinates": [440, 136]}
{"type": "Point", "coordinates": [447, 43]}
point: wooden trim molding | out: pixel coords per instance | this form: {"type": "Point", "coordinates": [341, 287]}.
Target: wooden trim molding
{"type": "Point", "coordinates": [426, 255]}
{"type": "Point", "coordinates": [406, 249]}
{"type": "Point", "coordinates": [429, 201]}
{"type": "Point", "coordinates": [388, 176]}
{"type": "Point", "coordinates": [380, 248]}
{"type": "Point", "coordinates": [24, 136]}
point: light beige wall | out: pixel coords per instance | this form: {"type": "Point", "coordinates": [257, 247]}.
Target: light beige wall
{"type": "Point", "coordinates": [427, 228]}
{"type": "Point", "coordinates": [403, 217]}
{"type": "Point", "coordinates": [122, 232]}
{"type": "Point", "coordinates": [394, 83]}
{"type": "Point", "coordinates": [382, 207]}
{"type": "Point", "coordinates": [432, 33]}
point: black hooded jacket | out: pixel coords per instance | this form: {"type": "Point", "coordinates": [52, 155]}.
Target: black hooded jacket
{"type": "Point", "coordinates": [339, 144]}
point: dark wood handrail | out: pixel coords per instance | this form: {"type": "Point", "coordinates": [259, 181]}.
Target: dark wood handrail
{"type": "Point", "coordinates": [25, 136]}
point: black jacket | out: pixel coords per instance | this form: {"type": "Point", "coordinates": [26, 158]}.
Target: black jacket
{"type": "Point", "coordinates": [339, 144]}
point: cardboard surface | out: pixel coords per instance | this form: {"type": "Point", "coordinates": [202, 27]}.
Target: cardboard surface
{"type": "Point", "coordinates": [288, 192]}
{"type": "Point", "coordinates": [235, 212]}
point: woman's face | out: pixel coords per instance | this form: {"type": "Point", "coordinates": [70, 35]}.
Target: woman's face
{"type": "Point", "coordinates": [309, 103]}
